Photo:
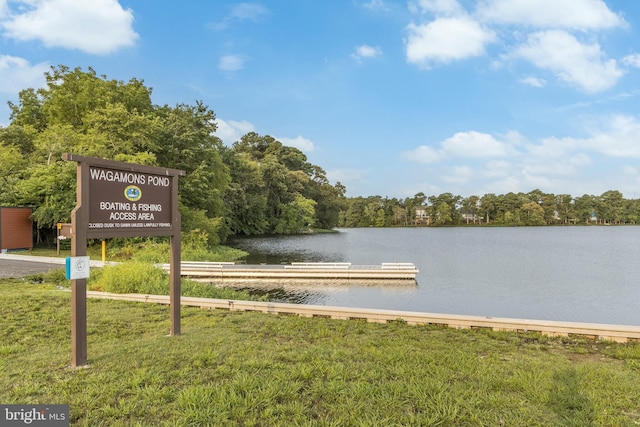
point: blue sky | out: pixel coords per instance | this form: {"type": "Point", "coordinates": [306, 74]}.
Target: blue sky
{"type": "Point", "coordinates": [390, 98]}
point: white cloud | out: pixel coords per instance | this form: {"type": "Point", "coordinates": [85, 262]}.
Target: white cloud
{"type": "Point", "coordinates": [554, 160]}
{"type": "Point", "coordinates": [553, 148]}
{"type": "Point", "coordinates": [614, 136]}
{"type": "Point", "coordinates": [376, 5]}
{"type": "Point", "coordinates": [302, 144]}
{"type": "Point", "coordinates": [17, 74]}
{"type": "Point", "coordinates": [439, 7]}
{"type": "Point", "coordinates": [241, 12]}
{"type": "Point", "coordinates": [514, 138]}
{"type": "Point", "coordinates": [554, 167]}
{"type": "Point", "coordinates": [469, 144]}
{"type": "Point", "coordinates": [475, 145]}
{"type": "Point", "coordinates": [574, 165]}
{"type": "Point", "coordinates": [459, 175]}
{"type": "Point", "coordinates": [512, 183]}
{"type": "Point", "coordinates": [457, 34]}
{"type": "Point", "coordinates": [365, 51]}
{"type": "Point", "coordinates": [445, 40]}
{"type": "Point", "coordinates": [568, 163]}
{"type": "Point", "coordinates": [632, 60]}
{"type": "Point", "coordinates": [231, 63]}
{"type": "Point", "coordinates": [98, 27]}
{"type": "Point", "coordinates": [231, 131]}
{"type": "Point", "coordinates": [567, 14]}
{"type": "Point", "coordinates": [580, 159]}
{"type": "Point", "coordinates": [533, 81]}
{"type": "Point", "coordinates": [352, 179]}
{"type": "Point", "coordinates": [249, 12]}
{"type": "Point", "coordinates": [619, 139]}
{"type": "Point", "coordinates": [582, 65]}
{"type": "Point", "coordinates": [497, 169]}
{"type": "Point", "coordinates": [423, 154]}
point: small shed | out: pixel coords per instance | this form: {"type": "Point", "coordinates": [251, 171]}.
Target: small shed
{"type": "Point", "coordinates": [16, 228]}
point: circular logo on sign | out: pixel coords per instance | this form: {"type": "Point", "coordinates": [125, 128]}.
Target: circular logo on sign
{"type": "Point", "coordinates": [133, 193]}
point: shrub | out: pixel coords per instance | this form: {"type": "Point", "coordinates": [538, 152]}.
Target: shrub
{"type": "Point", "coordinates": [135, 277]}
{"type": "Point", "coordinates": [57, 277]}
{"type": "Point", "coordinates": [131, 277]}
{"type": "Point", "coordinates": [194, 247]}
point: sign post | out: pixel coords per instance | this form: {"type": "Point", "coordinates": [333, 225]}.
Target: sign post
{"type": "Point", "coordinates": [117, 199]}
{"type": "Point", "coordinates": [63, 233]}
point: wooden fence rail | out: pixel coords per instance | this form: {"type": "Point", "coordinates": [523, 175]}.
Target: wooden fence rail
{"type": "Point", "coordinates": [618, 333]}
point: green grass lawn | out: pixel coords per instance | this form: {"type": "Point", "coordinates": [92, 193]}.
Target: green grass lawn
{"type": "Point", "coordinates": [253, 369]}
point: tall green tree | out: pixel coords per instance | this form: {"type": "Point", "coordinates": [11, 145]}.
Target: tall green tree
{"type": "Point", "coordinates": [585, 207]}
{"type": "Point", "coordinates": [469, 207]}
{"type": "Point", "coordinates": [273, 181]}
{"type": "Point", "coordinates": [565, 208]}
{"type": "Point", "coordinates": [445, 209]}
{"type": "Point", "coordinates": [610, 207]}
{"type": "Point", "coordinates": [411, 204]}
{"type": "Point", "coordinates": [488, 207]}
{"type": "Point", "coordinates": [245, 198]}
{"type": "Point", "coordinates": [508, 208]}
{"type": "Point", "coordinates": [80, 112]}
{"type": "Point", "coordinates": [184, 140]}
{"type": "Point", "coordinates": [533, 214]}
{"type": "Point", "coordinates": [443, 214]}
{"type": "Point", "coordinates": [547, 202]}
{"type": "Point", "coordinates": [296, 216]}
{"type": "Point", "coordinates": [11, 173]}
{"type": "Point", "coordinates": [632, 211]}
{"type": "Point", "coordinates": [330, 199]}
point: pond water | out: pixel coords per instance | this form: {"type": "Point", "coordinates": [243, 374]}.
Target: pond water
{"type": "Point", "coordinates": [581, 274]}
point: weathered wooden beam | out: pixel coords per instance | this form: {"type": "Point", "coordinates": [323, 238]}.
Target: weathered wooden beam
{"type": "Point", "coordinates": [619, 333]}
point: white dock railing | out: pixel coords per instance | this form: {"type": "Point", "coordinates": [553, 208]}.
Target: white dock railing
{"type": "Point", "coordinates": [320, 265]}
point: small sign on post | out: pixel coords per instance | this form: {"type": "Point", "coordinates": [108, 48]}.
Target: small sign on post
{"type": "Point", "coordinates": [117, 199]}
{"type": "Point", "coordinates": [64, 232]}
{"type": "Point", "coordinates": [77, 267]}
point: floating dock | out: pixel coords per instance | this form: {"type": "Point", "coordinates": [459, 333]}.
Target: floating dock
{"type": "Point", "coordinates": [298, 270]}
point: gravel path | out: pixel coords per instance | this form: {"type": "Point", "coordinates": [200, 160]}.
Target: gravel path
{"type": "Point", "coordinates": [16, 265]}
{"type": "Point", "coordinates": [17, 268]}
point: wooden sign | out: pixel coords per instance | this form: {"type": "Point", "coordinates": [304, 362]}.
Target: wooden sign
{"type": "Point", "coordinates": [118, 199]}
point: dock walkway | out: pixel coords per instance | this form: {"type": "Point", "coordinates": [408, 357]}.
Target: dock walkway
{"type": "Point", "coordinates": [298, 270]}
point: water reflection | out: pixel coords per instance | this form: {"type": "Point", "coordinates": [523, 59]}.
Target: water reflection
{"type": "Point", "coordinates": [309, 291]}
{"type": "Point", "coordinates": [278, 294]}
{"type": "Point", "coordinates": [288, 249]}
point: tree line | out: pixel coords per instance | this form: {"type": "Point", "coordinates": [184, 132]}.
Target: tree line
{"type": "Point", "coordinates": [511, 209]}
{"type": "Point", "coordinates": [256, 186]}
